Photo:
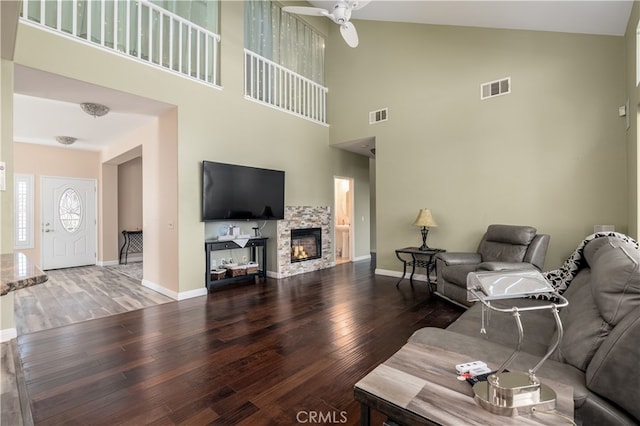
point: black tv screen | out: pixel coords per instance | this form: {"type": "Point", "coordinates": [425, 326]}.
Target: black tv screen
{"type": "Point", "coordinates": [233, 192]}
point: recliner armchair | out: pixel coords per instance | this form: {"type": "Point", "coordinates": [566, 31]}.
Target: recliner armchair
{"type": "Point", "coordinates": [503, 247]}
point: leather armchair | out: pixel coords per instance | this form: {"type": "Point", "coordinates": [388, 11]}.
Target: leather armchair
{"type": "Point", "coordinates": [503, 247]}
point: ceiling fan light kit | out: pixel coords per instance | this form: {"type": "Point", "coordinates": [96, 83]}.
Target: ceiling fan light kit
{"type": "Point", "coordinates": [340, 14]}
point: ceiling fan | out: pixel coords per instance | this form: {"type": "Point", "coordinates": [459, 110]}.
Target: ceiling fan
{"type": "Point", "coordinates": [340, 14]}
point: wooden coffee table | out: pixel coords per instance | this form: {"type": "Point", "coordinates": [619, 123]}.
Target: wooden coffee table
{"type": "Point", "coordinates": [418, 386]}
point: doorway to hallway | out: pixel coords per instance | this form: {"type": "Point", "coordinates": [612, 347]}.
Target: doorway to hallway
{"type": "Point", "coordinates": [343, 219]}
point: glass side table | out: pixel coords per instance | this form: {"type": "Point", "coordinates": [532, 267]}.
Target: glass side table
{"type": "Point", "coordinates": [414, 257]}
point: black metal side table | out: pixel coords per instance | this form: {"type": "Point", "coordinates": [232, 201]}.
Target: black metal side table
{"type": "Point", "coordinates": [132, 244]}
{"type": "Point", "coordinates": [419, 258]}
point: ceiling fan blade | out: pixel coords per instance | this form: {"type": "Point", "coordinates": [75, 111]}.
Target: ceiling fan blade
{"type": "Point", "coordinates": [303, 10]}
{"type": "Point", "coordinates": [349, 34]}
{"type": "Point", "coordinates": [358, 4]}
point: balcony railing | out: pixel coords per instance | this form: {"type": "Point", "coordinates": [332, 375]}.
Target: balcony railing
{"type": "Point", "coordinates": [136, 29]}
{"type": "Point", "coordinates": [272, 84]}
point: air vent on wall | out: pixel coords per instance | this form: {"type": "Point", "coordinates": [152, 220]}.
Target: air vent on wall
{"type": "Point", "coordinates": [379, 115]}
{"type": "Point", "coordinates": [495, 88]}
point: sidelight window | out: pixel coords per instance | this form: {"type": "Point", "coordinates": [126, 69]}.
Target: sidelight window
{"type": "Point", "coordinates": [23, 211]}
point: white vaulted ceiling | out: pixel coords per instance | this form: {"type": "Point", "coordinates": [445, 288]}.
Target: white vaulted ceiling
{"type": "Point", "coordinates": [604, 17]}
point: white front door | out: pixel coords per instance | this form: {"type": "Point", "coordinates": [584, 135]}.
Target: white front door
{"type": "Point", "coordinates": [69, 222]}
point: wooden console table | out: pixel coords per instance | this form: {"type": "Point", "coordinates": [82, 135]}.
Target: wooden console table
{"type": "Point", "coordinates": [253, 244]}
{"type": "Point", "coordinates": [418, 386]}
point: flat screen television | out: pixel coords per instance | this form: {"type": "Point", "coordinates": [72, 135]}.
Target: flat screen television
{"type": "Point", "coordinates": [233, 192]}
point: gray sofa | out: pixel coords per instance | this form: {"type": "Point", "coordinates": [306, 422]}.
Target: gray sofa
{"type": "Point", "coordinates": [599, 355]}
{"type": "Point", "coordinates": [503, 247]}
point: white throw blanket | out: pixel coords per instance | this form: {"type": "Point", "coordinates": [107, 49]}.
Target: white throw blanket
{"type": "Point", "coordinates": [561, 278]}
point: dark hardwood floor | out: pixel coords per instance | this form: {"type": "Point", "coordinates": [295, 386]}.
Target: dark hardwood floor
{"type": "Point", "coordinates": [281, 352]}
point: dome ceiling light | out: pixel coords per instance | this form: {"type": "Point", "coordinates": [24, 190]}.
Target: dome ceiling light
{"type": "Point", "coordinates": [66, 140]}
{"type": "Point", "coordinates": [95, 110]}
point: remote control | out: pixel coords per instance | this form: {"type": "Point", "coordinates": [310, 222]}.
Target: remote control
{"type": "Point", "coordinates": [468, 366]}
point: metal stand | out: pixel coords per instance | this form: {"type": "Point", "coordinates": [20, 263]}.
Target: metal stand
{"type": "Point", "coordinates": [513, 393]}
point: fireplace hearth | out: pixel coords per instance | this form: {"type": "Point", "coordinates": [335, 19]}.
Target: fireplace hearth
{"type": "Point", "coordinates": [306, 244]}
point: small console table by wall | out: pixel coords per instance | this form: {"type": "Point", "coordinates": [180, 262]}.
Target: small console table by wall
{"type": "Point", "coordinates": [253, 244]}
{"type": "Point", "coordinates": [419, 258]}
{"type": "Point", "coordinates": [132, 244]}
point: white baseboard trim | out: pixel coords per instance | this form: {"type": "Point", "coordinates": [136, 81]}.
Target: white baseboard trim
{"type": "Point", "coordinates": [8, 334]}
{"type": "Point", "coordinates": [359, 258]}
{"type": "Point", "coordinates": [398, 274]}
{"type": "Point", "coordinates": [107, 263]}
{"type": "Point", "coordinates": [183, 295]}
{"type": "Point", "coordinates": [158, 288]}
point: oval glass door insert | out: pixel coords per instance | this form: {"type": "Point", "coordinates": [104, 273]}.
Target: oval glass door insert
{"type": "Point", "coordinates": [70, 210]}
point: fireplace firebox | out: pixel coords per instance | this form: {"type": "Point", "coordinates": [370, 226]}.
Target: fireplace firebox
{"type": "Point", "coordinates": [306, 244]}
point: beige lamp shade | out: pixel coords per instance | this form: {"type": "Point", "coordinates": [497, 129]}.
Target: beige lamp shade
{"type": "Point", "coordinates": [425, 218]}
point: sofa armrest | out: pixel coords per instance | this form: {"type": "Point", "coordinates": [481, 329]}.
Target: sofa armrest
{"type": "Point", "coordinates": [459, 258]}
{"type": "Point", "coordinates": [504, 266]}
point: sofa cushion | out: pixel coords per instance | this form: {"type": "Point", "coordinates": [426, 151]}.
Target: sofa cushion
{"type": "Point", "coordinates": [613, 372]}
{"type": "Point", "coordinates": [493, 252]}
{"type": "Point", "coordinates": [510, 234]}
{"type": "Point", "coordinates": [458, 274]}
{"type": "Point", "coordinates": [506, 243]}
{"type": "Point", "coordinates": [598, 298]}
{"type": "Point", "coordinates": [584, 328]}
{"type": "Point", "coordinates": [616, 280]}
{"type": "Point", "coordinates": [501, 328]}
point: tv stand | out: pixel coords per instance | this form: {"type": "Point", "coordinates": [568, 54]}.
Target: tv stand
{"type": "Point", "coordinates": [253, 245]}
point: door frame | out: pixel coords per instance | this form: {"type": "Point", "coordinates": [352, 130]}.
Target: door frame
{"type": "Point", "coordinates": [352, 213]}
{"type": "Point", "coordinates": [41, 211]}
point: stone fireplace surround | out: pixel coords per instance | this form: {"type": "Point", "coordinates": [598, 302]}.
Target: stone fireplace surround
{"type": "Point", "coordinates": [297, 217]}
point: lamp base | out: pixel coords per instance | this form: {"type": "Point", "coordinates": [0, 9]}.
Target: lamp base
{"type": "Point", "coordinates": [513, 393]}
{"type": "Point", "coordinates": [424, 232]}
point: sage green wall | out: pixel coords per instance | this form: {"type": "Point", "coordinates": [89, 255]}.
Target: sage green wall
{"type": "Point", "coordinates": [7, 35]}
{"type": "Point", "coordinates": [213, 124]}
{"type": "Point", "coordinates": [6, 154]}
{"type": "Point", "coordinates": [633, 94]}
{"type": "Point", "coordinates": [551, 154]}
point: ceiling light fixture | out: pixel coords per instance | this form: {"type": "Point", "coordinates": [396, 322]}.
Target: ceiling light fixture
{"type": "Point", "coordinates": [66, 140]}
{"type": "Point", "coordinates": [95, 110]}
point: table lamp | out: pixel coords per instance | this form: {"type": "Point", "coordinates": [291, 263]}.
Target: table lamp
{"type": "Point", "coordinates": [514, 392]}
{"type": "Point", "coordinates": [425, 220]}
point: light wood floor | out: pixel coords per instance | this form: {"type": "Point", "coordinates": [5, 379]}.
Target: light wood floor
{"type": "Point", "coordinates": [79, 294]}
{"type": "Point", "coordinates": [69, 296]}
